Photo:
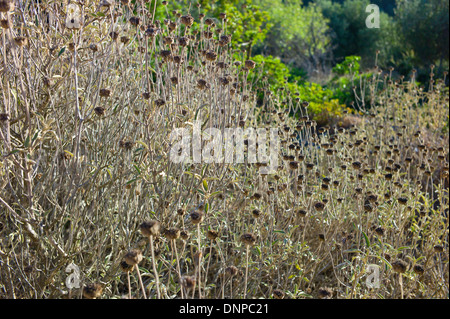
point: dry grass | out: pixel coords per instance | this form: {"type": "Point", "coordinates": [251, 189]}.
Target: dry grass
{"type": "Point", "coordinates": [85, 119]}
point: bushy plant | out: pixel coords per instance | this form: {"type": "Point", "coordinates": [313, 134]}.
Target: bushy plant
{"type": "Point", "coordinates": [90, 190]}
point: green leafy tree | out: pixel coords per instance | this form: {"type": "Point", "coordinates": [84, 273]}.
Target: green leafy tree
{"type": "Point", "coordinates": [299, 35]}
{"type": "Point", "coordinates": [425, 27]}
{"type": "Point", "coordinates": [247, 22]}
{"type": "Point", "coordinates": [351, 36]}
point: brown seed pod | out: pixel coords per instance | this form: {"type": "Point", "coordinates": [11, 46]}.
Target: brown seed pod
{"type": "Point", "coordinates": [184, 235]}
{"type": "Point", "coordinates": [399, 266]}
{"type": "Point", "coordinates": [379, 231]}
{"type": "Point", "coordinates": [166, 55]}
{"type": "Point", "coordinates": [127, 145]}
{"type": "Point", "coordinates": [202, 84]}
{"type": "Point", "coordinates": [99, 110]}
{"type": "Point", "coordinates": [92, 291]}
{"type": "Point", "coordinates": [133, 257]}
{"type": "Point", "coordinates": [187, 20]}
{"type": "Point", "coordinates": [126, 267]}
{"type": "Point", "coordinates": [368, 207]}
{"type": "Point", "coordinates": [6, 5]}
{"type": "Point", "coordinates": [356, 165]}
{"type": "Point", "coordinates": [402, 200]}
{"type": "Point", "coordinates": [224, 40]}
{"type": "Point", "coordinates": [278, 294]}
{"type": "Point", "coordinates": [418, 269]}
{"type": "Point", "coordinates": [172, 26]}
{"type": "Point", "coordinates": [438, 249]}
{"type": "Point", "coordinates": [172, 233]}
{"type": "Point", "coordinates": [211, 55]}
{"type": "Point", "coordinates": [150, 228]}
{"type": "Point", "coordinates": [124, 40]}
{"type": "Point", "coordinates": [212, 234]}
{"type": "Point", "coordinates": [168, 40]}
{"type": "Point", "coordinates": [4, 117]}
{"type": "Point", "coordinates": [188, 282]}
{"type": "Point", "coordinates": [319, 206]}
{"type": "Point", "coordinates": [104, 92]}
{"type": "Point", "coordinates": [178, 59]}
{"type": "Point", "coordinates": [248, 239]}
{"type": "Point", "coordinates": [196, 217]}
{"type": "Point", "coordinates": [301, 212]}
{"type": "Point", "coordinates": [160, 102]}
{"type": "Point", "coordinates": [183, 41]}
{"type": "Point", "coordinates": [134, 21]}
{"type": "Point", "coordinates": [209, 21]}
{"type": "Point", "coordinates": [105, 3]}
{"type": "Point", "coordinates": [231, 271]}
{"type": "Point", "coordinates": [5, 23]}
{"type": "Point", "coordinates": [293, 165]}
{"type": "Point", "coordinates": [20, 41]}
{"type": "Point", "coordinates": [249, 64]}
{"type": "Point", "coordinates": [256, 213]}
{"type": "Point", "coordinates": [174, 80]}
{"type": "Point", "coordinates": [325, 293]}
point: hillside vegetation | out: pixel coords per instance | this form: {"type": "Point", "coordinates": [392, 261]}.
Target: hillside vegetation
{"type": "Point", "coordinates": [90, 94]}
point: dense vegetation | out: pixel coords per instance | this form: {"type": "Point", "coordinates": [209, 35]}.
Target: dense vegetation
{"type": "Point", "coordinates": [90, 93]}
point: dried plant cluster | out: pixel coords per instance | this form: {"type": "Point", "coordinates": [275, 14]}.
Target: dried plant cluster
{"type": "Point", "coordinates": [88, 100]}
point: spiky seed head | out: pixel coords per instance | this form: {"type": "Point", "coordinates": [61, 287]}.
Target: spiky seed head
{"type": "Point", "coordinates": [399, 266]}
{"type": "Point", "coordinates": [133, 257]}
{"type": "Point", "coordinates": [20, 41]}
{"type": "Point", "coordinates": [172, 233]}
{"type": "Point", "coordinates": [150, 228]}
{"type": "Point", "coordinates": [319, 206]}
{"type": "Point", "coordinates": [325, 293]}
{"type": "Point", "coordinates": [211, 55]}
{"type": "Point", "coordinates": [356, 165]}
{"type": "Point", "coordinates": [231, 271]}
{"type": "Point", "coordinates": [209, 21]}
{"type": "Point", "coordinates": [184, 235]}
{"type": "Point", "coordinates": [4, 117]}
{"type": "Point", "coordinates": [438, 249]}
{"type": "Point", "coordinates": [278, 294]}
{"type": "Point", "coordinates": [104, 92]}
{"type": "Point", "coordinates": [188, 282]}
{"type": "Point", "coordinates": [379, 231]}
{"type": "Point", "coordinates": [196, 217]}
{"type": "Point", "coordinates": [248, 239]}
{"type": "Point", "coordinates": [256, 213]}
{"type": "Point", "coordinates": [187, 20]}
{"type": "Point", "coordinates": [92, 291]}
{"type": "Point", "coordinates": [250, 64]}
{"type": "Point", "coordinates": [160, 102]}
{"type": "Point", "coordinates": [125, 267]}
{"type": "Point", "coordinates": [418, 269]}
{"type": "Point", "coordinates": [6, 5]}
{"type": "Point", "coordinates": [212, 234]}
{"type": "Point", "coordinates": [134, 21]}
{"type": "Point", "coordinates": [5, 24]}
{"type": "Point", "coordinates": [99, 110]}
